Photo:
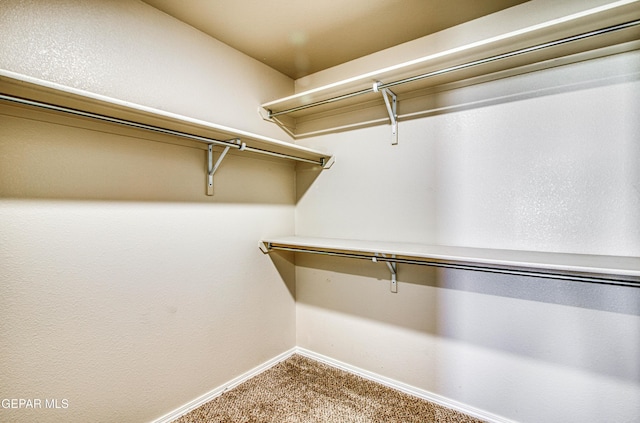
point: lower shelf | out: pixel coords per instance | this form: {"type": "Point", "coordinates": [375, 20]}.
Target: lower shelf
{"type": "Point", "coordinates": [613, 270]}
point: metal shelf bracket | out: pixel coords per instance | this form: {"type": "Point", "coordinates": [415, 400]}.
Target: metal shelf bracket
{"type": "Point", "coordinates": [265, 247]}
{"type": "Point", "coordinates": [391, 102]}
{"type": "Point", "coordinates": [211, 167]}
{"type": "Point", "coordinates": [393, 268]}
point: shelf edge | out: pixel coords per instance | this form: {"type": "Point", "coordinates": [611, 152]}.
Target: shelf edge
{"type": "Point", "coordinates": [455, 257]}
{"type": "Point", "coordinates": [15, 82]}
{"type": "Point", "coordinates": [336, 88]}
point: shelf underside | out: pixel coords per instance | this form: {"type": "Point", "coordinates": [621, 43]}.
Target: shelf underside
{"type": "Point", "coordinates": [330, 116]}
{"type": "Point", "coordinates": [22, 87]}
{"type": "Point", "coordinates": [614, 270]}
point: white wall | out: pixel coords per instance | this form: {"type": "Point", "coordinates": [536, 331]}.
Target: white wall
{"type": "Point", "coordinates": [131, 51]}
{"type": "Point", "coordinates": [129, 293]}
{"type": "Point", "coordinates": [544, 161]}
{"type": "Point", "coordinates": [525, 15]}
{"type": "Point", "coordinates": [125, 289]}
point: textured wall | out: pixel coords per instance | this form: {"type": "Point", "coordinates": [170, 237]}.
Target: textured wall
{"type": "Point", "coordinates": [130, 51]}
{"type": "Point", "coordinates": [530, 13]}
{"type": "Point", "coordinates": [125, 290]}
{"type": "Point", "coordinates": [545, 161]}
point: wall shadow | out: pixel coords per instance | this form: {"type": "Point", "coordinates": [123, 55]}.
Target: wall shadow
{"type": "Point", "coordinates": [587, 295]}
{"type": "Point", "coordinates": [533, 81]}
{"type": "Point", "coordinates": [47, 155]}
{"type": "Point", "coordinates": [545, 323]}
{"type": "Point", "coordinates": [306, 174]}
{"type": "Point", "coordinates": [284, 263]}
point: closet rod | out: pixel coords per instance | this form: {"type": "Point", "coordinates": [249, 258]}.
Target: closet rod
{"type": "Point", "coordinates": [283, 156]}
{"type": "Point", "coordinates": [603, 280]}
{"type": "Point", "coordinates": [537, 47]}
{"type": "Point", "coordinates": [153, 128]}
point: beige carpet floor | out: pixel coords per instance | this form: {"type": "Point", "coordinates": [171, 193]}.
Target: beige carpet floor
{"type": "Point", "coordinates": [299, 389]}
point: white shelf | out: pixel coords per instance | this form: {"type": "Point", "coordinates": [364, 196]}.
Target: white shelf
{"type": "Point", "coordinates": [614, 270]}
{"type": "Point", "coordinates": [368, 108]}
{"type": "Point", "coordinates": [48, 93]}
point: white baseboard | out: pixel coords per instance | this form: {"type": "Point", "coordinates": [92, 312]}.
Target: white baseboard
{"type": "Point", "coordinates": [192, 405]}
{"type": "Point", "coordinates": [403, 387]}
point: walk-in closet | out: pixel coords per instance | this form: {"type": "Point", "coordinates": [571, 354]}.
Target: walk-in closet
{"type": "Point", "coordinates": [202, 222]}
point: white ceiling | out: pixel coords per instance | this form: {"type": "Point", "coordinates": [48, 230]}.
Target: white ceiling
{"type": "Point", "coordinates": [299, 37]}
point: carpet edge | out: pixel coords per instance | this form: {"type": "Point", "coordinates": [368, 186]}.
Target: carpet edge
{"type": "Point", "coordinates": [391, 383]}
{"type": "Point", "coordinates": [216, 392]}
{"type": "Point", "coordinates": [403, 387]}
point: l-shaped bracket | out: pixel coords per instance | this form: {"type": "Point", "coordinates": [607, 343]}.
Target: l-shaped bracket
{"type": "Point", "coordinates": [211, 168]}
{"type": "Point", "coordinates": [391, 101]}
{"type": "Point", "coordinates": [266, 248]}
{"type": "Point", "coordinates": [393, 268]}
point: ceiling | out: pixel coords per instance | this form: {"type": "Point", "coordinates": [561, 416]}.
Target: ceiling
{"type": "Point", "coordinates": [299, 37]}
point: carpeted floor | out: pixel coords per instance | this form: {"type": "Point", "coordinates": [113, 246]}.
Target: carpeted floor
{"type": "Point", "coordinates": [303, 390]}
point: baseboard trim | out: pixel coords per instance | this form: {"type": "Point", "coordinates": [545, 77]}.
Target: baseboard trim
{"type": "Point", "coordinates": [192, 405]}
{"type": "Point", "coordinates": [403, 387]}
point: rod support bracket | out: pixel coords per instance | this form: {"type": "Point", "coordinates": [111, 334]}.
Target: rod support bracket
{"type": "Point", "coordinates": [211, 167]}
{"type": "Point", "coordinates": [393, 269]}
{"type": "Point", "coordinates": [265, 247]}
{"type": "Point", "coordinates": [391, 102]}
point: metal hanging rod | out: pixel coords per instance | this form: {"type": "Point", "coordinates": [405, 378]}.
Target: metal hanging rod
{"type": "Point", "coordinates": [537, 47]}
{"type": "Point", "coordinates": [604, 280]}
{"type": "Point", "coordinates": [322, 161]}
{"type": "Point", "coordinates": [228, 144]}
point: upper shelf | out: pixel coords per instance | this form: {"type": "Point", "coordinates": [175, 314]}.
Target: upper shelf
{"type": "Point", "coordinates": [613, 270]}
{"type": "Point", "coordinates": [20, 89]}
{"type": "Point", "coordinates": [592, 33]}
